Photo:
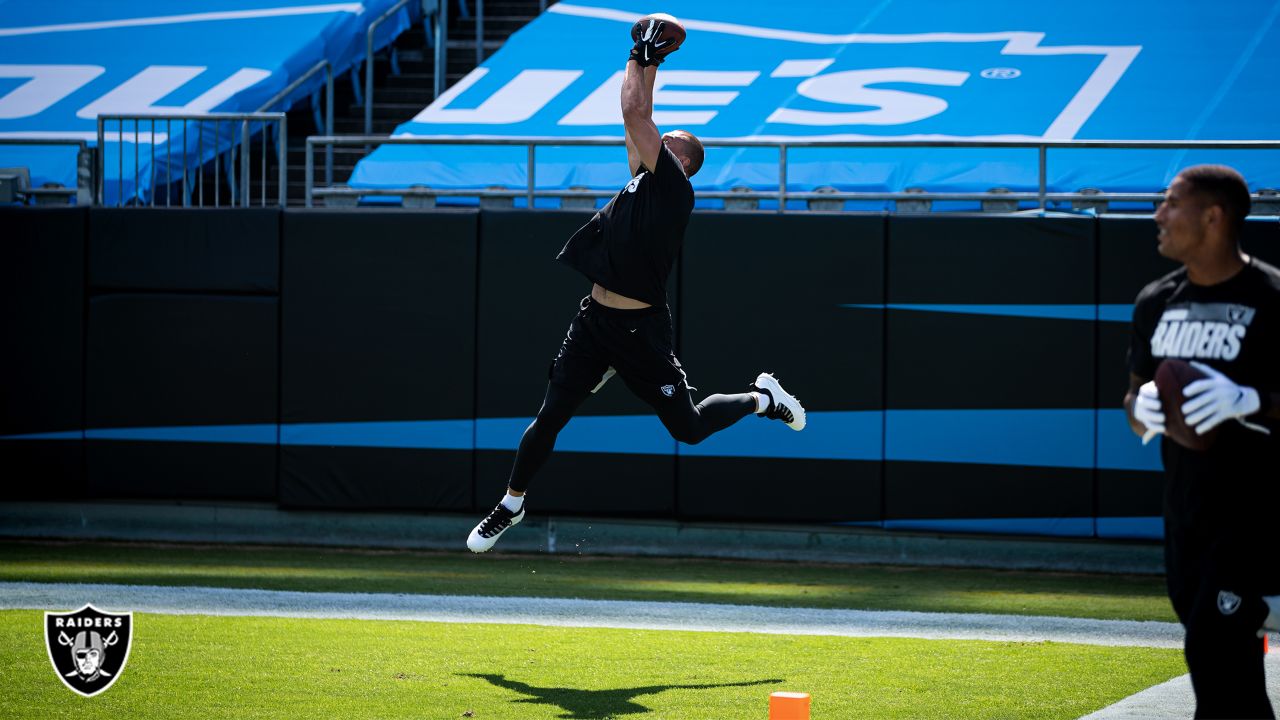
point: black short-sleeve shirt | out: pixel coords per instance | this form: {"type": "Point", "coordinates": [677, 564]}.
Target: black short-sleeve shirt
{"type": "Point", "coordinates": [630, 246]}
{"type": "Point", "coordinates": [1234, 327]}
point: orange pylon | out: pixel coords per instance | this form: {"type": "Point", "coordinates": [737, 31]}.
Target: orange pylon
{"type": "Point", "coordinates": [789, 706]}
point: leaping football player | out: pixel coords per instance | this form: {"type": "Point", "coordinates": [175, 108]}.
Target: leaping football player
{"type": "Point", "coordinates": [624, 326]}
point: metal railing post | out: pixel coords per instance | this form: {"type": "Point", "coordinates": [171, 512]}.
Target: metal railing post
{"type": "Point", "coordinates": [310, 171]}
{"type": "Point", "coordinates": [282, 152]}
{"type": "Point", "coordinates": [328, 122]}
{"type": "Point", "coordinates": [529, 174]}
{"type": "Point", "coordinates": [217, 164]}
{"type": "Point", "coordinates": [100, 190]}
{"type": "Point", "coordinates": [1043, 173]}
{"type": "Point", "coordinates": [782, 178]}
{"type": "Point", "coordinates": [244, 163]}
{"type": "Point", "coordinates": [442, 39]}
{"type": "Point", "coordinates": [151, 171]}
{"type": "Point", "coordinates": [479, 31]}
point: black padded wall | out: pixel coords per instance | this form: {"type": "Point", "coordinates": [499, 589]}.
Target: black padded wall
{"type": "Point", "coordinates": [378, 358]}
{"type": "Point", "coordinates": [42, 364]}
{"type": "Point", "coordinates": [962, 372]}
{"type": "Point", "coordinates": [181, 250]}
{"type": "Point", "coordinates": [990, 370]}
{"type": "Point", "coordinates": [182, 366]}
{"type": "Point", "coordinates": [182, 399]}
{"type": "Point", "coordinates": [797, 296]}
{"type": "Point", "coordinates": [614, 457]}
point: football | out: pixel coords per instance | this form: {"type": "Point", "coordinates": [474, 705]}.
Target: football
{"type": "Point", "coordinates": [1171, 377]}
{"type": "Point", "coordinates": [672, 32]}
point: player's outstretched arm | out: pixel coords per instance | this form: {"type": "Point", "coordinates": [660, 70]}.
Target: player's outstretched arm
{"type": "Point", "coordinates": [644, 142]}
{"type": "Point", "coordinates": [655, 36]}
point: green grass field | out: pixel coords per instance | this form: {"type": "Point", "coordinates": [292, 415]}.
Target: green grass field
{"type": "Point", "coordinates": [218, 667]}
{"type": "Point", "coordinates": [260, 667]}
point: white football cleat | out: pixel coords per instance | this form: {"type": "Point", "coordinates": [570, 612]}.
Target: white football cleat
{"type": "Point", "coordinates": [782, 404]}
{"type": "Point", "coordinates": [486, 534]}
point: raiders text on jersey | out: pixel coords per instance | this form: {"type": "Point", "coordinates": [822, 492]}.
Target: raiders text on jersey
{"type": "Point", "coordinates": [1201, 331]}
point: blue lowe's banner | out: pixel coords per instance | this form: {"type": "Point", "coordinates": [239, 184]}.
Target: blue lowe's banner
{"type": "Point", "coordinates": [64, 63]}
{"type": "Point", "coordinates": [864, 69]}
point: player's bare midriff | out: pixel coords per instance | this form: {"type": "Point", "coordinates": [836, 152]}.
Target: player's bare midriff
{"type": "Point", "coordinates": [608, 298]}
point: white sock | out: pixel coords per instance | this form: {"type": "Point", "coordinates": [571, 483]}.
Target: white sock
{"type": "Point", "coordinates": [513, 502]}
{"type": "Point", "coordinates": [762, 402]}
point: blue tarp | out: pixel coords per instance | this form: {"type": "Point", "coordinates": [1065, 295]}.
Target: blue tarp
{"type": "Point", "coordinates": [871, 69]}
{"type": "Point", "coordinates": [63, 63]}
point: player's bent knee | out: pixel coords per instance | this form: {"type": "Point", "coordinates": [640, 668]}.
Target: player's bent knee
{"type": "Point", "coordinates": [688, 436]}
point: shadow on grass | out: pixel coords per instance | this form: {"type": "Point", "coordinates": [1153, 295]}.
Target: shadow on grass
{"type": "Point", "coordinates": [596, 704]}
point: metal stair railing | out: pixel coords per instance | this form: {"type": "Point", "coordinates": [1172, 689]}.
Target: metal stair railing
{"type": "Point", "coordinates": [241, 177]}
{"type": "Point", "coordinates": [328, 109]}
{"type": "Point", "coordinates": [368, 63]}
{"type": "Point", "coordinates": [1041, 197]}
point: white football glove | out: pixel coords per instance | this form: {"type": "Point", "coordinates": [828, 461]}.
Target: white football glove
{"type": "Point", "coordinates": [1215, 399]}
{"type": "Point", "coordinates": [1147, 410]}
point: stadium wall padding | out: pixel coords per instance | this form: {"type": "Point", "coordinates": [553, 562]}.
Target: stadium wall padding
{"type": "Point", "coordinates": [767, 292]}
{"type": "Point", "coordinates": [182, 353]}
{"type": "Point", "coordinates": [42, 254]}
{"type": "Point", "coordinates": [377, 359]}
{"type": "Point", "coordinates": [185, 250]}
{"type": "Point", "coordinates": [181, 398]}
{"type": "Point", "coordinates": [974, 352]}
{"type": "Point", "coordinates": [960, 372]}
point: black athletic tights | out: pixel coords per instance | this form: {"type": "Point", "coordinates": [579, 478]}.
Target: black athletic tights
{"type": "Point", "coordinates": [687, 423]}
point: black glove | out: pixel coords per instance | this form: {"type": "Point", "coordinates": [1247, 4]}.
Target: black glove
{"type": "Point", "coordinates": [650, 49]}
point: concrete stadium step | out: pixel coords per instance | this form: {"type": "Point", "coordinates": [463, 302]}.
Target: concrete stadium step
{"type": "Point", "coordinates": [417, 81]}
{"type": "Point", "coordinates": [385, 110]}
{"type": "Point", "coordinates": [355, 125]}
{"type": "Point", "coordinates": [498, 27]}
{"type": "Point", "coordinates": [298, 173]}
{"type": "Point", "coordinates": [419, 96]}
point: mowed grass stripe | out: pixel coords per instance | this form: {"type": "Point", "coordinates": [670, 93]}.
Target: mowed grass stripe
{"type": "Point", "coordinates": [221, 667]}
{"type": "Point", "coordinates": [777, 584]}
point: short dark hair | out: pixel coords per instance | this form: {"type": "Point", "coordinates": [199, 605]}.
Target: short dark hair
{"type": "Point", "coordinates": [695, 152]}
{"type": "Point", "coordinates": [1222, 186]}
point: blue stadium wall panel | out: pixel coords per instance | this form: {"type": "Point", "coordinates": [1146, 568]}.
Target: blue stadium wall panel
{"type": "Point", "coordinates": [42, 365]}
{"type": "Point", "coordinates": [614, 457]}
{"type": "Point", "coordinates": [988, 382]}
{"type": "Point", "coordinates": [764, 292]}
{"type": "Point", "coordinates": [185, 250]}
{"type": "Point", "coordinates": [377, 359]}
{"type": "Point", "coordinates": [181, 396]}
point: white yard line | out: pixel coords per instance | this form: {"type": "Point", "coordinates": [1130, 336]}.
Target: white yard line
{"type": "Point", "coordinates": [590, 613]}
